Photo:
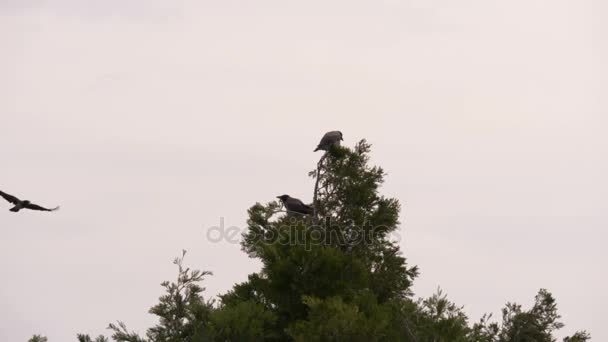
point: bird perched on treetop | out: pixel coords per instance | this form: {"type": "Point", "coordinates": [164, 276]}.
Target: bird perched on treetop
{"type": "Point", "coordinates": [295, 205]}
{"type": "Point", "coordinates": [19, 204]}
{"type": "Point", "coordinates": [328, 140]}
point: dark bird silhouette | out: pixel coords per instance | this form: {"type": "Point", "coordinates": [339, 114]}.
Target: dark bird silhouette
{"type": "Point", "coordinates": [295, 205]}
{"type": "Point", "coordinates": [19, 204]}
{"type": "Point", "coordinates": [328, 140]}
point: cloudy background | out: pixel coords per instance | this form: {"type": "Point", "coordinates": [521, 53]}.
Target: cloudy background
{"type": "Point", "coordinates": [150, 120]}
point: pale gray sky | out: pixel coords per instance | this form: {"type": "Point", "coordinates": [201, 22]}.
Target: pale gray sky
{"type": "Point", "coordinates": [149, 120]}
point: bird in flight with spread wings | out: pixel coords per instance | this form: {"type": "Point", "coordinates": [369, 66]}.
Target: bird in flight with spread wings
{"type": "Point", "coordinates": [19, 204]}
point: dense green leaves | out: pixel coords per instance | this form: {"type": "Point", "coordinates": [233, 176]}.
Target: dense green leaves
{"type": "Point", "coordinates": [244, 321]}
{"type": "Point", "coordinates": [331, 319]}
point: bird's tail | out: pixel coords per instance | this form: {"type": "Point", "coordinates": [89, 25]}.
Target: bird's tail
{"type": "Point", "coordinates": [309, 210]}
{"type": "Point", "coordinates": [15, 209]}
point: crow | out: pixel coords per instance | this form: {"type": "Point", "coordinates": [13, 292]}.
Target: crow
{"type": "Point", "coordinates": [19, 204]}
{"type": "Point", "coordinates": [295, 205]}
{"type": "Point", "coordinates": [328, 140]}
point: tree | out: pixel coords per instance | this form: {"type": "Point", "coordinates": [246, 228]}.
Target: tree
{"type": "Point", "coordinates": [184, 316]}
{"type": "Point", "coordinates": [332, 276]}
{"type": "Point", "coordinates": [38, 338]}
{"type": "Point", "coordinates": [534, 325]}
{"type": "Point", "coordinates": [341, 255]}
{"type": "Point", "coordinates": [438, 319]}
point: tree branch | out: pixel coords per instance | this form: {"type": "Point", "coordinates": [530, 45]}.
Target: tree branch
{"type": "Point", "coordinates": [315, 211]}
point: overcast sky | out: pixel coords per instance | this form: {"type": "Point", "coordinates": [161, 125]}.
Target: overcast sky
{"type": "Point", "coordinates": [149, 120]}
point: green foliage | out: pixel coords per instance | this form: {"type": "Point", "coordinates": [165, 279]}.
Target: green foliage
{"type": "Point", "coordinates": [338, 257]}
{"type": "Point", "coordinates": [184, 316]}
{"type": "Point", "coordinates": [438, 319]}
{"type": "Point", "coordinates": [38, 338]}
{"type": "Point", "coordinates": [534, 325]}
{"type": "Point", "coordinates": [537, 324]}
{"type": "Point", "coordinates": [87, 338]}
{"type": "Point", "coordinates": [335, 276]}
{"type": "Point", "coordinates": [244, 321]}
{"type": "Point", "coordinates": [182, 311]}
{"type": "Point", "coordinates": [580, 336]}
{"type": "Point", "coordinates": [331, 319]}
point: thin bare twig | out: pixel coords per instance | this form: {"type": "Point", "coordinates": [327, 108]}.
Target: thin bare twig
{"type": "Point", "coordinates": [315, 211]}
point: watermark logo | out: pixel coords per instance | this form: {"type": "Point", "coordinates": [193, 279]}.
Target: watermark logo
{"type": "Point", "coordinates": [298, 233]}
{"type": "Point", "coordinates": [219, 233]}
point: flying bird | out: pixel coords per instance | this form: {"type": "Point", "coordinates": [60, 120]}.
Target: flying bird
{"type": "Point", "coordinates": [295, 205]}
{"type": "Point", "coordinates": [19, 204]}
{"type": "Point", "coordinates": [328, 140]}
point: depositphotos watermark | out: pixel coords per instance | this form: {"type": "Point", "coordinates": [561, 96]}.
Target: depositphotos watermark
{"type": "Point", "coordinates": [297, 234]}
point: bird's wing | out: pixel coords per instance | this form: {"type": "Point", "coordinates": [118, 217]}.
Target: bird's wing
{"type": "Point", "coordinates": [330, 138]}
{"type": "Point", "coordinates": [326, 140]}
{"type": "Point", "coordinates": [295, 204]}
{"type": "Point", "coordinates": [10, 198]}
{"type": "Point", "coordinates": [37, 207]}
